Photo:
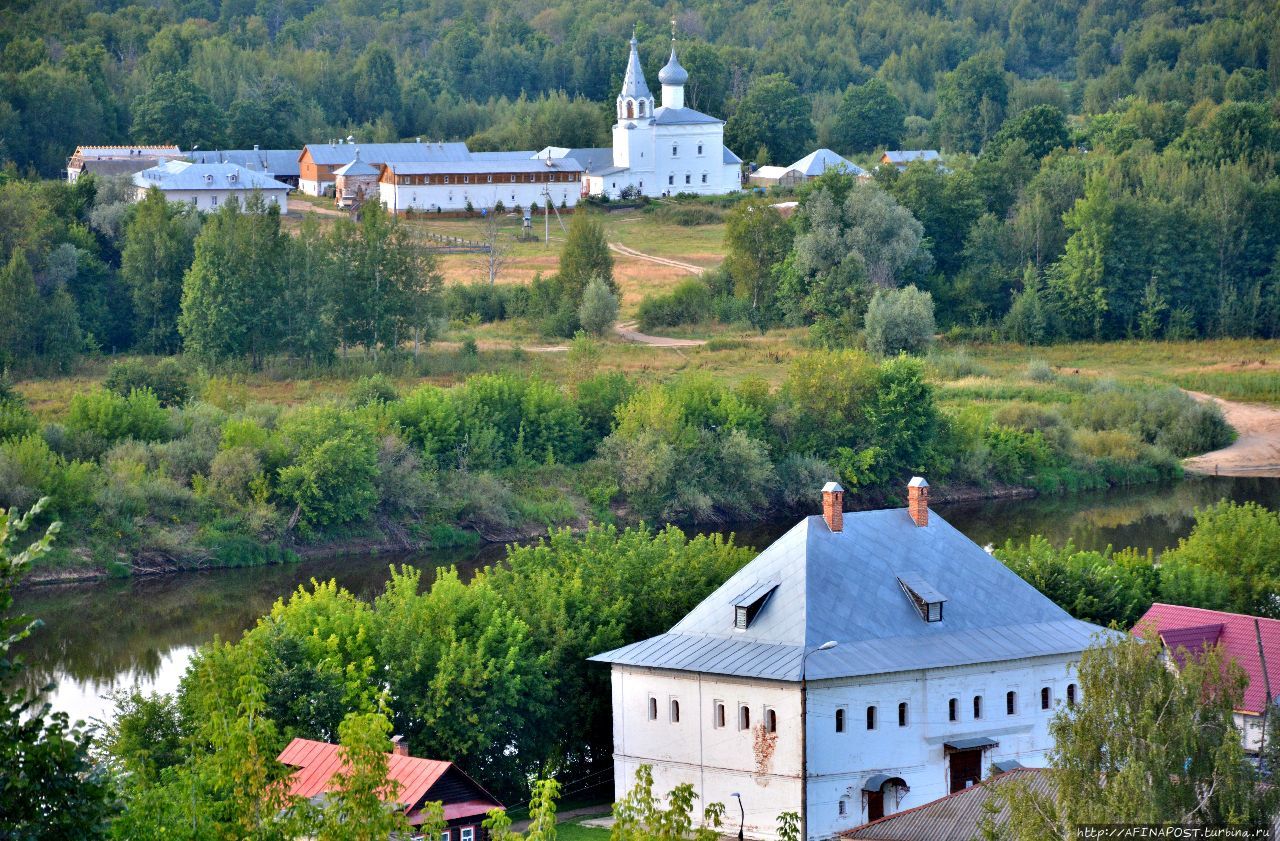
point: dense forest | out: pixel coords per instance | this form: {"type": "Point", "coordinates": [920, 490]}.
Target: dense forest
{"type": "Point", "coordinates": [280, 73]}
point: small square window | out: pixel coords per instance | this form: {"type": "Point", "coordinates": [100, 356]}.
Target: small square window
{"type": "Point", "coordinates": [675, 150]}
{"type": "Point", "coordinates": [704, 178]}
{"type": "Point", "coordinates": [671, 179]}
{"type": "Point", "coordinates": [444, 836]}
{"type": "Point", "coordinates": [467, 833]}
{"type": "Point", "coordinates": [688, 179]}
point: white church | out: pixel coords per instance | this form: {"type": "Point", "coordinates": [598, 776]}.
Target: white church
{"type": "Point", "coordinates": [658, 150]}
{"type": "Point", "coordinates": [863, 664]}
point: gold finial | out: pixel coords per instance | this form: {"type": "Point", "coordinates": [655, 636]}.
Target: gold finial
{"type": "Point", "coordinates": [673, 30]}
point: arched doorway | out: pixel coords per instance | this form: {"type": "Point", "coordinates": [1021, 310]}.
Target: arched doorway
{"type": "Point", "coordinates": [883, 795]}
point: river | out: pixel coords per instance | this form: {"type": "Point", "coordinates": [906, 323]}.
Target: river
{"type": "Point", "coordinates": [100, 637]}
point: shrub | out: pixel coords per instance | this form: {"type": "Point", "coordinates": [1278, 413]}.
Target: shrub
{"type": "Point", "coordinates": [373, 389]}
{"type": "Point", "coordinates": [1114, 444]}
{"type": "Point", "coordinates": [1199, 428]}
{"type": "Point", "coordinates": [332, 481]}
{"type": "Point", "coordinates": [688, 303]}
{"type": "Point", "coordinates": [898, 321]}
{"type": "Point", "coordinates": [427, 418]}
{"type": "Point", "coordinates": [598, 400]}
{"type": "Point", "coordinates": [1039, 371]}
{"type": "Point", "coordinates": [111, 418]}
{"type": "Point", "coordinates": [599, 309]}
{"type": "Point", "coordinates": [167, 379]}
{"type": "Point", "coordinates": [688, 216]}
{"type": "Point", "coordinates": [15, 420]}
{"type": "Point", "coordinates": [30, 470]}
{"type": "Point", "coordinates": [956, 365]}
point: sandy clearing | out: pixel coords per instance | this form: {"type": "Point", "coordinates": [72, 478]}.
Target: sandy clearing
{"type": "Point", "coordinates": [1256, 451]}
{"type": "Point", "coordinates": [663, 261]}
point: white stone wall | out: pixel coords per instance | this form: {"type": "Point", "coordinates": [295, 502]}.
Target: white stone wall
{"type": "Point", "coordinates": [721, 760]}
{"type": "Point", "coordinates": [447, 197]}
{"type": "Point", "coordinates": [211, 200]}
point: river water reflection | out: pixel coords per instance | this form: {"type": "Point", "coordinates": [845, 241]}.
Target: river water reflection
{"type": "Point", "coordinates": [102, 636]}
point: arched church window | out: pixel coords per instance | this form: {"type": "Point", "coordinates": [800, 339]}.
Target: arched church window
{"type": "Point", "coordinates": [630, 109]}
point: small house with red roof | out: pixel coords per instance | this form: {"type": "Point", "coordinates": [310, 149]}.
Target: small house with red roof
{"type": "Point", "coordinates": [421, 781]}
{"type": "Point", "coordinates": [1252, 641]}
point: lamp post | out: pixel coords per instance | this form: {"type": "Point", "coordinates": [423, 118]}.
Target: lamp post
{"type": "Point", "coordinates": [804, 741]}
{"type": "Point", "coordinates": [743, 812]}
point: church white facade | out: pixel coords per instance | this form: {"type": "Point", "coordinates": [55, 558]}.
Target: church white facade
{"type": "Point", "coordinates": [659, 150]}
{"type": "Point", "coordinates": [863, 664]}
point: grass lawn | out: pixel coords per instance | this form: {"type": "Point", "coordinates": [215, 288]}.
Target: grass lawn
{"type": "Point", "coordinates": [1234, 369]}
{"type": "Point", "coordinates": [575, 831]}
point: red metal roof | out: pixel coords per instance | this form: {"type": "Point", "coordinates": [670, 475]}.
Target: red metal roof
{"type": "Point", "coordinates": [317, 762]}
{"type": "Point", "coordinates": [1193, 628]}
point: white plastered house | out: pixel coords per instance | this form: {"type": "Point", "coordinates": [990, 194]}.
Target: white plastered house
{"type": "Point", "coordinates": [944, 664]}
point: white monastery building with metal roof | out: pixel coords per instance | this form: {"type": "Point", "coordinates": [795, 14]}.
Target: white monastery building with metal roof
{"type": "Point", "coordinates": [658, 150]}
{"type": "Point", "coordinates": [865, 663]}
{"type": "Point", "coordinates": [210, 186]}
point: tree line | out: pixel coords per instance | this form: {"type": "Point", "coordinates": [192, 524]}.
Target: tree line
{"type": "Point", "coordinates": [230, 75]}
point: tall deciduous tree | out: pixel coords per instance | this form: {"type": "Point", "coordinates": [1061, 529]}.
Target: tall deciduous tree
{"type": "Point", "coordinates": [49, 788]}
{"type": "Point", "coordinates": [971, 103]}
{"type": "Point", "coordinates": [869, 116]}
{"type": "Point", "coordinates": [20, 304]}
{"type": "Point", "coordinates": [158, 249]}
{"type": "Point", "coordinates": [231, 295]}
{"type": "Point", "coordinates": [1145, 744]}
{"type": "Point", "coordinates": [361, 797]}
{"type": "Point", "coordinates": [585, 256]}
{"type": "Point", "coordinates": [773, 116]}
{"type": "Point", "coordinates": [1078, 280]}
{"type": "Point", "coordinates": [389, 284]}
{"type": "Point", "coordinates": [757, 239]}
{"type": "Point", "coordinates": [174, 109]}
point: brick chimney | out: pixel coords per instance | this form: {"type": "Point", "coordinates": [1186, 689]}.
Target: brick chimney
{"type": "Point", "coordinates": [399, 746]}
{"type": "Point", "coordinates": [918, 500]}
{"type": "Point", "coordinates": [833, 505]}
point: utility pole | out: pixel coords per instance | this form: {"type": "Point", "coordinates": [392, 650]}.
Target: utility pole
{"type": "Point", "coordinates": [804, 741]}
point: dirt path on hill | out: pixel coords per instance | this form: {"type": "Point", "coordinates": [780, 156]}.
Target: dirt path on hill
{"type": "Point", "coordinates": [1256, 451]}
{"type": "Point", "coordinates": [627, 330]}
{"type": "Point", "coordinates": [662, 261]}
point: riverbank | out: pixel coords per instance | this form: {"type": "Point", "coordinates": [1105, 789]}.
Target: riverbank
{"type": "Point", "coordinates": [395, 542]}
{"type": "Point", "coordinates": [1256, 450]}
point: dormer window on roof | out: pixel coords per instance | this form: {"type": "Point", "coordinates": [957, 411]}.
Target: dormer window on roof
{"type": "Point", "coordinates": [926, 600]}
{"type": "Point", "coordinates": [747, 606]}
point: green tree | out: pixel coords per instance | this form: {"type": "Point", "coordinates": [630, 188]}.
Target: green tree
{"type": "Point", "coordinates": [1042, 127]}
{"type": "Point", "coordinates": [1145, 743]}
{"type": "Point", "coordinates": [1242, 542]}
{"type": "Point", "coordinates": [971, 103]}
{"type": "Point", "coordinates": [869, 117]}
{"type": "Point", "coordinates": [174, 109]}
{"type": "Point", "coordinates": [159, 247]}
{"type": "Point", "coordinates": [331, 480]}
{"type": "Point", "coordinates": [20, 301]}
{"type": "Point", "coordinates": [708, 85]}
{"type": "Point", "coordinates": [899, 321]}
{"type": "Point", "coordinates": [1078, 279]}
{"type": "Point", "coordinates": [49, 788]}
{"type": "Point", "coordinates": [774, 116]}
{"type": "Point", "coordinates": [585, 257]}
{"type": "Point", "coordinates": [232, 293]}
{"type": "Point", "coordinates": [599, 308]}
{"type": "Point", "coordinates": [360, 800]}
{"type": "Point", "coordinates": [375, 89]}
{"type": "Point", "coordinates": [389, 288]}
{"type": "Point", "coordinates": [1029, 320]}
{"type": "Point", "coordinates": [757, 239]}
